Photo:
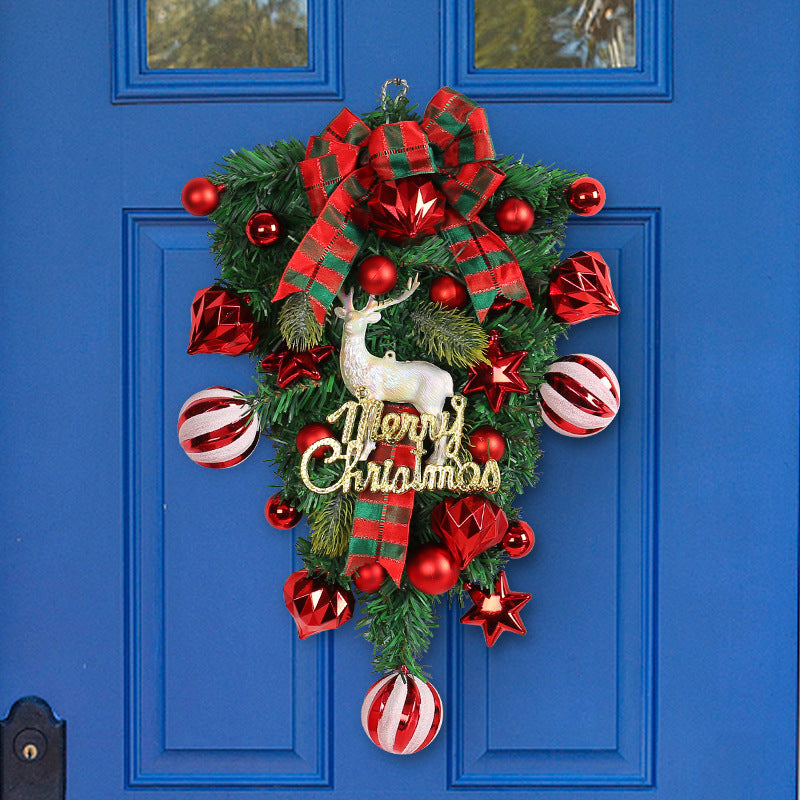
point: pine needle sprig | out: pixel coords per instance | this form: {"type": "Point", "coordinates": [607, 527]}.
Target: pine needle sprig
{"type": "Point", "coordinates": [299, 326]}
{"type": "Point", "coordinates": [449, 335]}
{"type": "Point", "coordinates": [331, 524]}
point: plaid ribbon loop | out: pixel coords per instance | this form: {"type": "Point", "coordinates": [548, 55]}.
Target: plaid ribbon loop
{"type": "Point", "coordinates": [346, 161]}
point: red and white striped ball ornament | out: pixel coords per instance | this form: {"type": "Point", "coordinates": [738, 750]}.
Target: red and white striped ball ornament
{"type": "Point", "coordinates": [401, 714]}
{"type": "Point", "coordinates": [579, 396]}
{"type": "Point", "coordinates": [217, 427]}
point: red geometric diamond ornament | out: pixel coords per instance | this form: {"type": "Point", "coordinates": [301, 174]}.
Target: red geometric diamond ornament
{"type": "Point", "coordinates": [406, 209]}
{"type": "Point", "coordinates": [315, 604]}
{"type": "Point", "coordinates": [468, 525]}
{"type": "Point", "coordinates": [221, 323]}
{"type": "Point", "coordinates": [580, 289]}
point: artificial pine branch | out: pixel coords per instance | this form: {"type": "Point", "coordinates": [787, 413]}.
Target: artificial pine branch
{"type": "Point", "coordinates": [449, 335]}
{"type": "Point", "coordinates": [331, 524]}
{"type": "Point", "coordinates": [299, 326]}
{"type": "Point", "coordinates": [331, 569]}
{"type": "Point", "coordinates": [400, 624]}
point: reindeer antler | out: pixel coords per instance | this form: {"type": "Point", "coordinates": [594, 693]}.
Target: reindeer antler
{"type": "Point", "coordinates": [413, 285]}
{"type": "Point", "coordinates": [347, 299]}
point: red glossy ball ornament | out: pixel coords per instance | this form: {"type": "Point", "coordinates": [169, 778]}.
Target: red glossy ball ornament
{"type": "Point", "coordinates": [311, 433]}
{"type": "Point", "coordinates": [586, 196]}
{"type": "Point", "coordinates": [200, 196]}
{"type": "Point", "coordinates": [263, 229]}
{"type": "Point", "coordinates": [519, 539]}
{"type": "Point", "coordinates": [369, 577]}
{"type": "Point", "coordinates": [315, 604]}
{"type": "Point", "coordinates": [515, 215]}
{"type": "Point", "coordinates": [432, 569]}
{"type": "Point", "coordinates": [449, 292]}
{"type": "Point", "coordinates": [406, 209]}
{"type": "Point", "coordinates": [280, 514]}
{"type": "Point", "coordinates": [485, 443]}
{"type": "Point", "coordinates": [377, 275]}
{"type": "Point", "coordinates": [468, 525]}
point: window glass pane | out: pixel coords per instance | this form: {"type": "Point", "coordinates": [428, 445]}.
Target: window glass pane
{"type": "Point", "coordinates": [552, 34]}
{"type": "Point", "coordinates": [219, 34]}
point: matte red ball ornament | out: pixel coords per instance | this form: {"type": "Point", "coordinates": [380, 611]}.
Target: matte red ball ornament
{"type": "Point", "coordinates": [406, 209]}
{"type": "Point", "coordinates": [315, 604]}
{"type": "Point", "coordinates": [263, 229]}
{"type": "Point", "coordinates": [401, 713]}
{"type": "Point", "coordinates": [311, 433]}
{"type": "Point", "coordinates": [468, 525]}
{"type": "Point", "coordinates": [496, 611]}
{"type": "Point", "coordinates": [218, 427]}
{"type": "Point", "coordinates": [485, 443]}
{"type": "Point", "coordinates": [432, 568]}
{"type": "Point", "coordinates": [519, 539]}
{"type": "Point", "coordinates": [281, 514]}
{"type": "Point", "coordinates": [200, 196]}
{"type": "Point", "coordinates": [369, 577]}
{"type": "Point", "coordinates": [377, 275]}
{"type": "Point", "coordinates": [514, 215]}
{"type": "Point", "coordinates": [580, 289]}
{"type": "Point", "coordinates": [449, 292]}
{"type": "Point", "coordinates": [586, 196]}
{"type": "Point", "coordinates": [221, 323]}
{"type": "Point", "coordinates": [580, 395]}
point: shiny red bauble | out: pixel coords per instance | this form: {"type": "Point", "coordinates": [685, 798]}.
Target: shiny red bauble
{"type": "Point", "coordinates": [449, 292]}
{"type": "Point", "coordinates": [311, 433]}
{"type": "Point", "coordinates": [485, 443]}
{"type": "Point", "coordinates": [315, 604]}
{"type": "Point", "coordinates": [280, 514]}
{"type": "Point", "coordinates": [377, 275]}
{"type": "Point", "coordinates": [515, 215]}
{"type": "Point", "coordinates": [432, 569]}
{"type": "Point", "coordinates": [200, 196]}
{"type": "Point", "coordinates": [369, 577]}
{"type": "Point", "coordinates": [586, 196]}
{"type": "Point", "coordinates": [406, 209]}
{"type": "Point", "coordinates": [519, 539]}
{"type": "Point", "coordinates": [263, 229]}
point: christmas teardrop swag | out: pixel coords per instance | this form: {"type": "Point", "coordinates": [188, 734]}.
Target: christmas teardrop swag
{"type": "Point", "coordinates": [406, 452]}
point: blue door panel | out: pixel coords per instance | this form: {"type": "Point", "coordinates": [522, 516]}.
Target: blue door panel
{"type": "Point", "coordinates": [142, 595]}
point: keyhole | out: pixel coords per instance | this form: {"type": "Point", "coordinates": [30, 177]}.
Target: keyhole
{"type": "Point", "coordinates": [30, 751]}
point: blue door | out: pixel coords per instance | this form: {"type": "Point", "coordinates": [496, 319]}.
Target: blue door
{"type": "Point", "coordinates": [141, 596]}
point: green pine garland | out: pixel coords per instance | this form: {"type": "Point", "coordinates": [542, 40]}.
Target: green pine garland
{"type": "Point", "coordinates": [398, 621]}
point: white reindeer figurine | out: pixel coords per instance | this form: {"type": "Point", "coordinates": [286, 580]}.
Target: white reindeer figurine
{"type": "Point", "coordinates": [419, 383]}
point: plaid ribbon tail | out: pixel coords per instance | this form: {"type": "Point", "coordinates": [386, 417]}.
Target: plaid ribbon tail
{"type": "Point", "coordinates": [488, 266]}
{"type": "Point", "coordinates": [381, 520]}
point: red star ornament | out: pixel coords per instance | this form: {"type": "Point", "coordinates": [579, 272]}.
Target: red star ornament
{"type": "Point", "coordinates": [498, 377]}
{"type": "Point", "coordinates": [496, 612]}
{"type": "Point", "coordinates": [293, 364]}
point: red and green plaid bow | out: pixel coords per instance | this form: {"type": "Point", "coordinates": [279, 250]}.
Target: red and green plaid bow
{"type": "Point", "coordinates": [344, 164]}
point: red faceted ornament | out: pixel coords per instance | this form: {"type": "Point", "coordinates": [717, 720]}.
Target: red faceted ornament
{"type": "Point", "coordinates": [468, 525]}
{"type": "Point", "coordinates": [406, 209]}
{"type": "Point", "coordinates": [514, 215]}
{"type": "Point", "coordinates": [485, 443]}
{"type": "Point", "coordinates": [586, 196]}
{"type": "Point", "coordinates": [369, 577]}
{"type": "Point", "coordinates": [221, 323]}
{"type": "Point", "coordinates": [263, 229]}
{"type": "Point", "coordinates": [449, 292]}
{"type": "Point", "coordinates": [401, 714]}
{"type": "Point", "coordinates": [200, 196]}
{"type": "Point", "coordinates": [580, 289]}
{"type": "Point", "coordinates": [281, 514]}
{"type": "Point", "coordinates": [432, 568]}
{"type": "Point", "coordinates": [315, 604]}
{"type": "Point", "coordinates": [377, 275]}
{"type": "Point", "coordinates": [311, 433]}
{"type": "Point", "coordinates": [496, 611]}
{"type": "Point", "coordinates": [519, 539]}
{"type": "Point", "coordinates": [500, 376]}
{"type": "Point", "coordinates": [291, 365]}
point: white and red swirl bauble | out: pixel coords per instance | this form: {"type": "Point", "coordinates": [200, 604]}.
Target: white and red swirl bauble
{"type": "Point", "coordinates": [401, 714]}
{"type": "Point", "coordinates": [580, 395]}
{"type": "Point", "coordinates": [218, 428]}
